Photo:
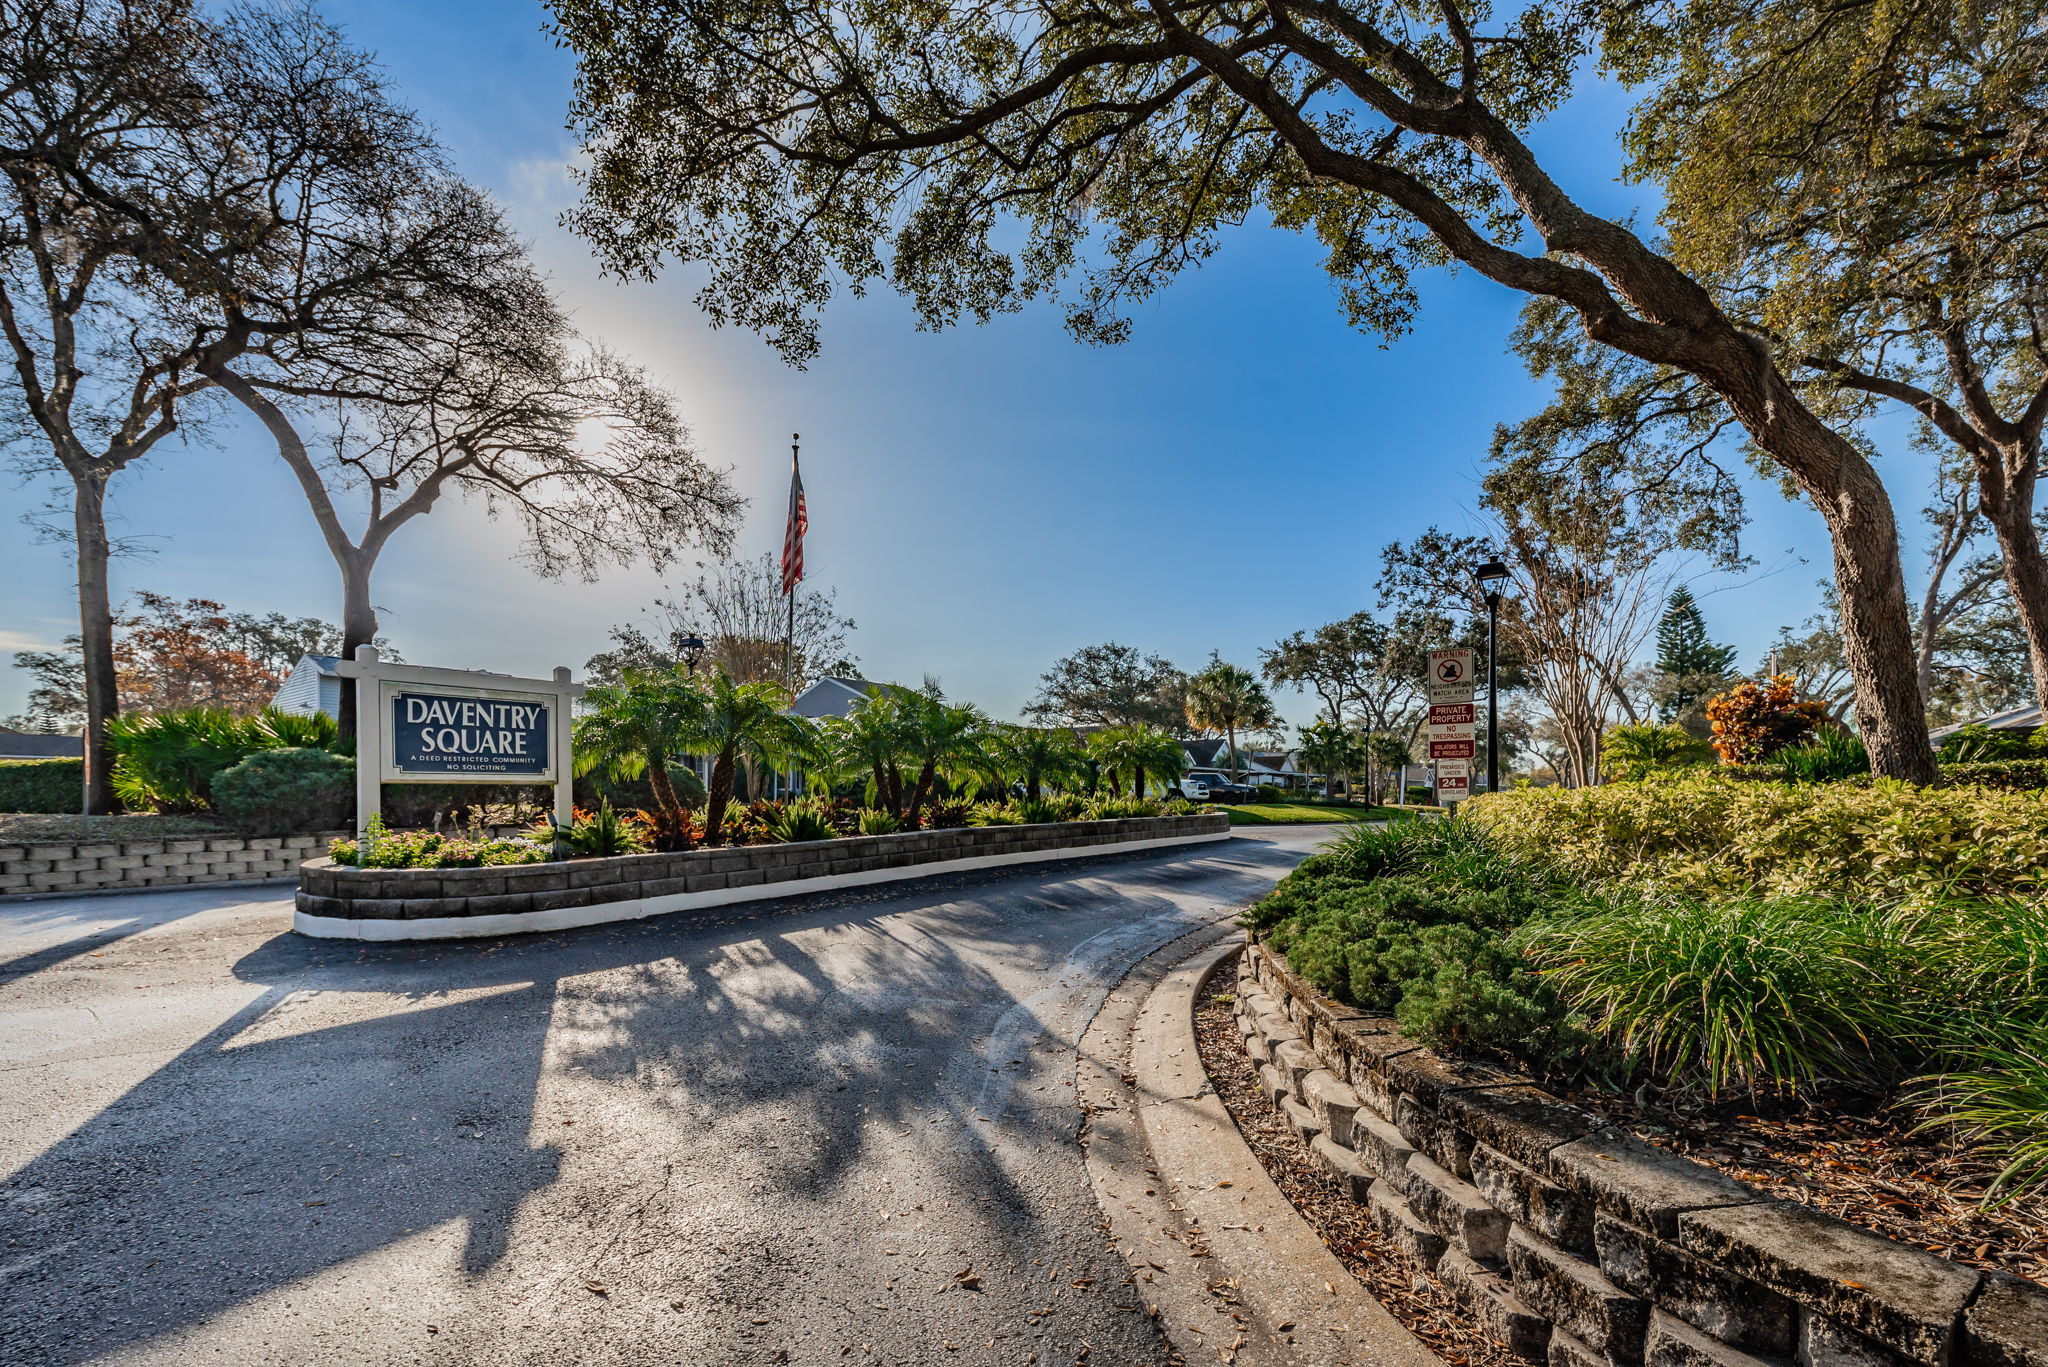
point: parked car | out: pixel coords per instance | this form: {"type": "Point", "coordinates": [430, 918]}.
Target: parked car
{"type": "Point", "coordinates": [1200, 787]}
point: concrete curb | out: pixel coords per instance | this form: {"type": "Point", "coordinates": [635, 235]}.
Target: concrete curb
{"type": "Point", "coordinates": [1230, 1269]}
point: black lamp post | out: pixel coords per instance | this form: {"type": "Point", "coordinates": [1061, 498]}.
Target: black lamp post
{"type": "Point", "coordinates": [1491, 576]}
{"type": "Point", "coordinates": [689, 648]}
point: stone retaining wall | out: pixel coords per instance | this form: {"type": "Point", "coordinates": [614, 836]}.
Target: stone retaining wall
{"type": "Point", "coordinates": [44, 868]}
{"type": "Point", "coordinates": [430, 903]}
{"type": "Point", "coordinates": [1577, 1244]}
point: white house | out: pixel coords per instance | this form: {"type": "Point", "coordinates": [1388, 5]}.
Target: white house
{"type": "Point", "coordinates": [311, 687]}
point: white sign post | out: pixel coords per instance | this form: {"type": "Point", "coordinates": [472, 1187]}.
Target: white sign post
{"type": "Point", "coordinates": [1449, 733]}
{"type": "Point", "coordinates": [415, 724]}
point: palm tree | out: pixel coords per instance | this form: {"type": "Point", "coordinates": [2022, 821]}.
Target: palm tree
{"type": "Point", "coordinates": [743, 721]}
{"type": "Point", "coordinates": [631, 728]}
{"type": "Point", "coordinates": [1334, 750]}
{"type": "Point", "coordinates": [1140, 752]}
{"type": "Point", "coordinates": [941, 741]}
{"type": "Point", "coordinates": [1035, 756]}
{"type": "Point", "coordinates": [868, 743]}
{"type": "Point", "coordinates": [1229, 698]}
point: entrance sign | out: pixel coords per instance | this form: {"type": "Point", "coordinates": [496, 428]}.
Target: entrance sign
{"type": "Point", "coordinates": [438, 736]}
{"type": "Point", "coordinates": [415, 724]}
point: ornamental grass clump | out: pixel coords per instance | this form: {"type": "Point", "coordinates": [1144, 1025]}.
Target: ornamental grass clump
{"type": "Point", "coordinates": [1749, 993]}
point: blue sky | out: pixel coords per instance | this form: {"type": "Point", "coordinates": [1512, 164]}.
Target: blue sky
{"type": "Point", "coordinates": [985, 499]}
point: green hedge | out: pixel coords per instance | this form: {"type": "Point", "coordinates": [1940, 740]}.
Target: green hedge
{"type": "Point", "coordinates": [2013, 775]}
{"type": "Point", "coordinates": [41, 785]}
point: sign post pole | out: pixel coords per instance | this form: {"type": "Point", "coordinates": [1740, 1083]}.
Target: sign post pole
{"type": "Point", "coordinates": [565, 769]}
{"type": "Point", "coordinates": [369, 745]}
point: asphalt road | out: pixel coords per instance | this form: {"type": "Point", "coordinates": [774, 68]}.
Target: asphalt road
{"type": "Point", "coordinates": [841, 1132]}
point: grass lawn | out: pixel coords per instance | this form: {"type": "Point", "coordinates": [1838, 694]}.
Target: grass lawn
{"type": "Point", "coordinates": [1303, 813]}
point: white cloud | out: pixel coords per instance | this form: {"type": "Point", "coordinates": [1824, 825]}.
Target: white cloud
{"type": "Point", "coordinates": [22, 640]}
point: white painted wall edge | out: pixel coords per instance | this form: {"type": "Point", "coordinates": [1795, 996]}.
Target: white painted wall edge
{"type": "Point", "coordinates": [634, 908]}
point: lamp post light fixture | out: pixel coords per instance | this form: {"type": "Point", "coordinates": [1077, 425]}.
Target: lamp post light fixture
{"type": "Point", "coordinates": [1492, 575]}
{"type": "Point", "coordinates": [690, 649]}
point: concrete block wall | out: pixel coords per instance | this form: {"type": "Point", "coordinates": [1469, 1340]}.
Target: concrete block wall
{"type": "Point", "coordinates": [328, 890]}
{"type": "Point", "coordinates": [1579, 1245]}
{"type": "Point", "coordinates": [46, 868]}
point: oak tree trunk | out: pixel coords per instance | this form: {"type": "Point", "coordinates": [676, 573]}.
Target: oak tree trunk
{"type": "Point", "coordinates": [2007, 501]}
{"type": "Point", "coordinates": [96, 638]}
{"type": "Point", "coordinates": [358, 628]}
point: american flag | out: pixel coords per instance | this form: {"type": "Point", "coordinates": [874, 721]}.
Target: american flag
{"type": "Point", "coordinates": [799, 523]}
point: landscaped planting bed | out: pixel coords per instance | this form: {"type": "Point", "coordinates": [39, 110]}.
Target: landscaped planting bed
{"type": "Point", "coordinates": [1836, 996]}
{"type": "Point", "coordinates": [336, 900]}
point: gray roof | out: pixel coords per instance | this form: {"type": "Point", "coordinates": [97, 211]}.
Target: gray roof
{"type": "Point", "coordinates": [324, 663]}
{"type": "Point", "coordinates": [2025, 718]}
{"type": "Point", "coordinates": [1208, 754]}
{"type": "Point", "coordinates": [834, 697]}
{"type": "Point", "coordinates": [23, 745]}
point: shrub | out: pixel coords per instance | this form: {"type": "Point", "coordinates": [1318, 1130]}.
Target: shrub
{"type": "Point", "coordinates": [1178, 806]}
{"type": "Point", "coordinates": [1266, 792]}
{"type": "Point", "coordinates": [42, 785]}
{"type": "Point", "coordinates": [432, 850]}
{"type": "Point", "coordinates": [293, 791]}
{"type": "Point", "coordinates": [167, 761]}
{"type": "Point", "coordinates": [1977, 743]}
{"type": "Point", "coordinates": [1119, 809]}
{"type": "Point", "coordinates": [1829, 757]}
{"type": "Point", "coordinates": [993, 814]}
{"type": "Point", "coordinates": [1420, 793]}
{"type": "Point", "coordinates": [1629, 753]}
{"type": "Point", "coordinates": [874, 821]}
{"type": "Point", "coordinates": [1754, 721]}
{"type": "Point", "coordinates": [1703, 835]}
{"type": "Point", "coordinates": [941, 814]}
{"type": "Point", "coordinates": [1045, 809]}
{"type": "Point", "coordinates": [801, 821]}
{"type": "Point", "coordinates": [1415, 920]}
{"type": "Point", "coordinates": [2012, 775]}
{"type": "Point", "coordinates": [603, 833]}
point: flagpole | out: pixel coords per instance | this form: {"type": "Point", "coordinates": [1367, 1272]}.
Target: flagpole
{"type": "Point", "coordinates": [789, 631]}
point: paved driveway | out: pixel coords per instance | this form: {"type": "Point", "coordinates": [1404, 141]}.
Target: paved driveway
{"type": "Point", "coordinates": [845, 1133]}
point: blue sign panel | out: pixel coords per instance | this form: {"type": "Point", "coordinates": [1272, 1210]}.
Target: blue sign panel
{"type": "Point", "coordinates": [481, 738]}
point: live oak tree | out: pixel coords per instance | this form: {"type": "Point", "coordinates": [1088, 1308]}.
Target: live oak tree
{"type": "Point", "coordinates": [1112, 685]}
{"type": "Point", "coordinates": [791, 145]}
{"type": "Point", "coordinates": [103, 363]}
{"type": "Point", "coordinates": [1867, 177]}
{"type": "Point", "coordinates": [495, 399]}
{"type": "Point", "coordinates": [191, 197]}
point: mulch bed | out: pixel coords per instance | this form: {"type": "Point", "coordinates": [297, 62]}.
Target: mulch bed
{"type": "Point", "coordinates": [1414, 1297]}
{"type": "Point", "coordinates": [1852, 1158]}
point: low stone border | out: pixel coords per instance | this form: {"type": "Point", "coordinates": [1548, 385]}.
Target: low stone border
{"type": "Point", "coordinates": [44, 869]}
{"type": "Point", "coordinates": [338, 902]}
{"type": "Point", "coordinates": [1582, 1246]}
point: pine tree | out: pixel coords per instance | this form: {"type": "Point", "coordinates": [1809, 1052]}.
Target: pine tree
{"type": "Point", "coordinates": [1691, 665]}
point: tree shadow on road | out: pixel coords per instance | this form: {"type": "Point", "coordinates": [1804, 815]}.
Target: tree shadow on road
{"type": "Point", "coordinates": [770, 1046]}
